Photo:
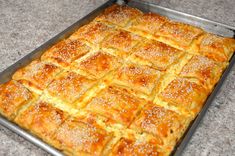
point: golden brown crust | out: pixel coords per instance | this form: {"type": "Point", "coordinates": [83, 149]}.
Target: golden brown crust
{"type": "Point", "coordinates": [42, 119]}
{"type": "Point", "coordinates": [121, 42]}
{"type": "Point", "coordinates": [69, 87]}
{"type": "Point", "coordinates": [140, 78]}
{"type": "Point", "coordinates": [13, 96]}
{"type": "Point", "coordinates": [81, 138]}
{"type": "Point", "coordinates": [119, 15]}
{"type": "Point", "coordinates": [148, 23]}
{"type": "Point", "coordinates": [127, 83]}
{"type": "Point", "coordinates": [98, 64]}
{"type": "Point", "coordinates": [37, 75]}
{"type": "Point", "coordinates": [65, 52]}
{"type": "Point", "coordinates": [204, 69]}
{"type": "Point", "coordinates": [115, 103]}
{"type": "Point", "coordinates": [93, 33]}
{"type": "Point", "coordinates": [167, 125]}
{"type": "Point", "coordinates": [216, 47]}
{"type": "Point", "coordinates": [186, 95]}
{"type": "Point", "coordinates": [178, 35]}
{"type": "Point", "coordinates": [156, 54]}
{"type": "Point", "coordinates": [141, 146]}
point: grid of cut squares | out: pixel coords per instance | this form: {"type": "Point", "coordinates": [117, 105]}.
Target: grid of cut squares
{"type": "Point", "coordinates": [134, 64]}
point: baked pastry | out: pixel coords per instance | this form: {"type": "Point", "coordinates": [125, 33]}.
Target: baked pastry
{"type": "Point", "coordinates": [13, 96]}
{"type": "Point", "coordinates": [115, 103]}
{"type": "Point", "coordinates": [120, 43]}
{"type": "Point", "coordinates": [156, 55]}
{"type": "Point", "coordinates": [65, 52]}
{"type": "Point", "coordinates": [37, 75]}
{"type": "Point", "coordinates": [118, 15]}
{"type": "Point", "coordinates": [97, 64]}
{"type": "Point", "coordinates": [147, 24]}
{"type": "Point", "coordinates": [215, 47]}
{"type": "Point", "coordinates": [127, 83]}
{"type": "Point", "coordinates": [42, 119]}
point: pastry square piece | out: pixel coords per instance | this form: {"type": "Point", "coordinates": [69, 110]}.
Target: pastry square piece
{"type": "Point", "coordinates": [204, 69]}
{"type": "Point", "coordinates": [140, 78]}
{"type": "Point", "coordinates": [65, 52]}
{"type": "Point", "coordinates": [178, 35]}
{"type": "Point", "coordinates": [121, 42]}
{"type": "Point", "coordinates": [70, 88]}
{"type": "Point", "coordinates": [137, 145]}
{"type": "Point", "coordinates": [116, 104]}
{"type": "Point", "coordinates": [41, 119]}
{"type": "Point", "coordinates": [92, 33]}
{"type": "Point", "coordinates": [147, 24]}
{"type": "Point", "coordinates": [167, 125]}
{"type": "Point", "coordinates": [156, 55]}
{"type": "Point", "coordinates": [119, 15]}
{"type": "Point", "coordinates": [187, 95]}
{"type": "Point", "coordinates": [79, 137]}
{"type": "Point", "coordinates": [216, 47]}
{"type": "Point", "coordinates": [13, 96]}
{"type": "Point", "coordinates": [36, 76]}
{"type": "Point", "coordinates": [97, 64]}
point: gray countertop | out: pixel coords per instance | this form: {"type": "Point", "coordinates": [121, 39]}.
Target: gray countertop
{"type": "Point", "coordinates": [26, 24]}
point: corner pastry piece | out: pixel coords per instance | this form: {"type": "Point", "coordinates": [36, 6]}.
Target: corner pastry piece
{"type": "Point", "coordinates": [216, 47]}
{"type": "Point", "coordinates": [42, 119]}
{"type": "Point", "coordinates": [204, 69]}
{"type": "Point", "coordinates": [116, 104]}
{"type": "Point", "coordinates": [13, 96]}
{"type": "Point", "coordinates": [140, 78]}
{"type": "Point", "coordinates": [37, 75]}
{"type": "Point", "coordinates": [147, 24]}
{"type": "Point", "coordinates": [65, 52]}
{"type": "Point", "coordinates": [92, 33]}
{"type": "Point", "coordinates": [68, 89]}
{"type": "Point", "coordinates": [156, 55]}
{"type": "Point", "coordinates": [119, 15]}
{"type": "Point", "coordinates": [167, 125]}
{"type": "Point", "coordinates": [120, 42]}
{"type": "Point", "coordinates": [79, 137]}
{"type": "Point", "coordinates": [178, 35]}
{"type": "Point", "coordinates": [97, 65]}
{"type": "Point", "coordinates": [186, 95]}
{"type": "Point", "coordinates": [138, 146]}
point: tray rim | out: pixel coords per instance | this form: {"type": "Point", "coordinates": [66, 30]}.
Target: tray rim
{"type": "Point", "coordinates": [28, 58]}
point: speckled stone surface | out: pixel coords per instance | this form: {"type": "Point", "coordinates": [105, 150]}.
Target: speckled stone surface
{"type": "Point", "coordinates": [26, 24]}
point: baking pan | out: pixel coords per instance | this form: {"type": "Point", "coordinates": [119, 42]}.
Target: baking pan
{"type": "Point", "coordinates": [208, 25]}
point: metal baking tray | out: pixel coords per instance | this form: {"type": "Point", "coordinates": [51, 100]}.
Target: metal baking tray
{"type": "Point", "coordinates": [208, 25]}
